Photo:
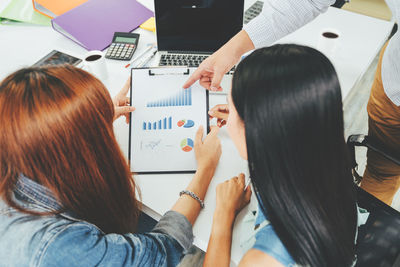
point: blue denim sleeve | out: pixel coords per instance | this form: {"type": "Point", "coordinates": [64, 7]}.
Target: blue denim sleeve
{"type": "Point", "coordinates": [82, 244]}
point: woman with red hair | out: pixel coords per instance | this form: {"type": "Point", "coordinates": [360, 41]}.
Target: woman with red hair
{"type": "Point", "coordinates": [67, 196]}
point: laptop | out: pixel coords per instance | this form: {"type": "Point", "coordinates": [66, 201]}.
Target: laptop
{"type": "Point", "coordinates": [188, 31]}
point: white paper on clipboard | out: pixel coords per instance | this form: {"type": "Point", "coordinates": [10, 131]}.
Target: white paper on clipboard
{"type": "Point", "coordinates": [164, 125]}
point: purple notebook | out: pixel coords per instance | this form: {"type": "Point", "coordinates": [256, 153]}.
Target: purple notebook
{"type": "Point", "coordinates": [92, 24]}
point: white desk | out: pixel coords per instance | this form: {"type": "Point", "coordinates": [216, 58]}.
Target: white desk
{"type": "Point", "coordinates": [23, 45]}
{"type": "Point", "coordinates": [361, 37]}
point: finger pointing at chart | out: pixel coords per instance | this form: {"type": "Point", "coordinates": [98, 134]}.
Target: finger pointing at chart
{"type": "Point", "coordinates": [208, 151]}
{"type": "Point", "coordinates": [199, 137]}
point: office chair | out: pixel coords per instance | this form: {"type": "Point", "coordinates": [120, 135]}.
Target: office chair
{"type": "Point", "coordinates": [340, 3]}
{"type": "Point", "coordinates": [378, 241]}
{"type": "Point", "coordinates": [371, 143]}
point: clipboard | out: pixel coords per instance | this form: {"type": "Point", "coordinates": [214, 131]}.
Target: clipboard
{"type": "Point", "coordinates": [163, 127]}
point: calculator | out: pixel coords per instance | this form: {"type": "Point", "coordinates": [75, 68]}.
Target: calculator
{"type": "Point", "coordinates": [123, 46]}
{"type": "Point", "coordinates": [253, 11]}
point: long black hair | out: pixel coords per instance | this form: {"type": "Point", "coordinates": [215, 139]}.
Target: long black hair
{"type": "Point", "coordinates": [290, 101]}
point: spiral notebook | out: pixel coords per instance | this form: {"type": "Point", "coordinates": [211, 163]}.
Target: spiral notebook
{"type": "Point", "coordinates": [164, 125]}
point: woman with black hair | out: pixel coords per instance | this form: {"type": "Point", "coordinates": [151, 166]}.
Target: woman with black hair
{"type": "Point", "coordinates": [284, 115]}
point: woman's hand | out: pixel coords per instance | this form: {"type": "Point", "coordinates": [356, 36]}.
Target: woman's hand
{"type": "Point", "coordinates": [232, 196]}
{"type": "Point", "coordinates": [207, 154]}
{"type": "Point", "coordinates": [208, 151]}
{"type": "Point", "coordinates": [122, 103]}
{"type": "Point", "coordinates": [221, 112]}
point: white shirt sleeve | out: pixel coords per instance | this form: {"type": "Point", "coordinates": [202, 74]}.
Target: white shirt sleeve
{"type": "Point", "coordinates": [281, 17]}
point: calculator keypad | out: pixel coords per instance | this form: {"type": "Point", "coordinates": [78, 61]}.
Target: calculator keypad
{"type": "Point", "coordinates": [120, 51]}
{"type": "Point", "coordinates": [253, 11]}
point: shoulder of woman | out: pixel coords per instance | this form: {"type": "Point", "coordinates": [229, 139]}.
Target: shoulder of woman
{"type": "Point", "coordinates": [79, 239]}
{"type": "Point", "coordinates": [255, 258]}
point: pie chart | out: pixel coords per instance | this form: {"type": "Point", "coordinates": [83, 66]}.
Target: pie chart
{"type": "Point", "coordinates": [187, 144]}
{"type": "Point", "coordinates": [185, 123]}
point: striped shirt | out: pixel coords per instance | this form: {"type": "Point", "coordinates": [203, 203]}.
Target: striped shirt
{"type": "Point", "coordinates": [282, 17]}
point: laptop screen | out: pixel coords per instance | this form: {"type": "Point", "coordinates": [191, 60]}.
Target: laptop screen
{"type": "Point", "coordinates": [197, 25]}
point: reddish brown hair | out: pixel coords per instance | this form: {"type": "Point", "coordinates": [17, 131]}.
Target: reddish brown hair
{"type": "Point", "coordinates": [57, 129]}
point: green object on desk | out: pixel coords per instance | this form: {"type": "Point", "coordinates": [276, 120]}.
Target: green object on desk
{"type": "Point", "coordinates": [22, 11]}
{"type": "Point", "coordinates": [8, 22]}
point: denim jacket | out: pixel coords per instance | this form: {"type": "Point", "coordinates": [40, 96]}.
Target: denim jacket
{"type": "Point", "coordinates": [63, 240]}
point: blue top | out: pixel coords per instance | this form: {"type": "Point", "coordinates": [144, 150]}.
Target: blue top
{"type": "Point", "coordinates": [64, 240]}
{"type": "Point", "coordinates": [268, 242]}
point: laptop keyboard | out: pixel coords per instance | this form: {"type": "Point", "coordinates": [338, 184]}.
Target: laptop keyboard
{"type": "Point", "coordinates": [253, 11]}
{"type": "Point", "coordinates": [181, 60]}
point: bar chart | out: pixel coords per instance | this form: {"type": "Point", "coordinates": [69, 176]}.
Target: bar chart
{"type": "Point", "coordinates": [163, 124]}
{"type": "Point", "coordinates": [183, 98]}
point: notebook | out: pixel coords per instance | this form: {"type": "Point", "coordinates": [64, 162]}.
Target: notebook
{"type": "Point", "coordinates": [92, 24]}
{"type": "Point", "coordinates": [54, 8]}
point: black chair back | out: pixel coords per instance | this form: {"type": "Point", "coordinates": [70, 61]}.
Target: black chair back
{"type": "Point", "coordinates": [366, 141]}
{"type": "Point", "coordinates": [378, 241]}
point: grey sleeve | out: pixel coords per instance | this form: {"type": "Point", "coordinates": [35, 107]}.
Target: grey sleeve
{"type": "Point", "coordinates": [176, 226]}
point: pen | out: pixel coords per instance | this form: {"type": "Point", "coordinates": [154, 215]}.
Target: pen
{"type": "Point", "coordinates": [247, 184]}
{"type": "Point", "coordinates": [145, 60]}
{"type": "Point", "coordinates": [139, 56]}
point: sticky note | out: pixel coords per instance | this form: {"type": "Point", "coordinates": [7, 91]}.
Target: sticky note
{"type": "Point", "coordinates": [149, 25]}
